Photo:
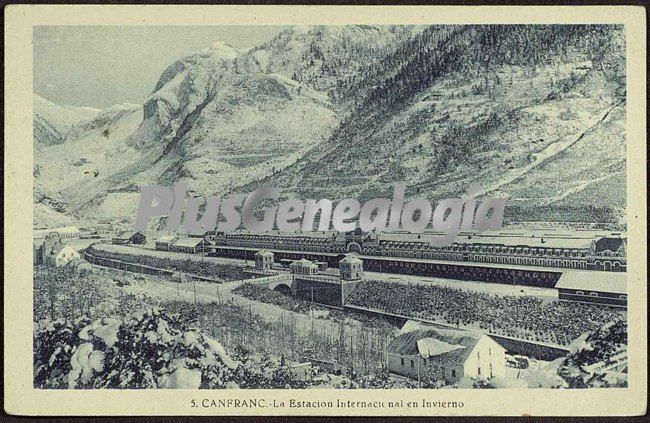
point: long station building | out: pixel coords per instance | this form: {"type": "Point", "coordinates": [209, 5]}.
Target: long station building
{"type": "Point", "coordinates": [587, 250]}
{"type": "Point", "coordinates": [534, 258]}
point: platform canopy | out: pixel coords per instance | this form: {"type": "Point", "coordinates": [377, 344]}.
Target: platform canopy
{"type": "Point", "coordinates": [188, 242]}
{"type": "Point", "coordinates": [587, 280]}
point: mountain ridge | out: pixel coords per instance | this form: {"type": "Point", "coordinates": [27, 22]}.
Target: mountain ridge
{"type": "Point", "coordinates": [349, 111]}
{"type": "Point", "coordinates": [555, 88]}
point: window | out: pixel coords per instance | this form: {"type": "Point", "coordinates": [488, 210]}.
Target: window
{"type": "Point", "coordinates": [491, 374]}
{"type": "Point", "coordinates": [479, 370]}
{"type": "Point", "coordinates": [453, 373]}
{"type": "Point", "coordinates": [593, 294]}
{"type": "Point", "coordinates": [402, 360]}
{"type": "Point", "coordinates": [490, 352]}
{"type": "Point", "coordinates": [412, 363]}
{"type": "Point", "coordinates": [478, 355]}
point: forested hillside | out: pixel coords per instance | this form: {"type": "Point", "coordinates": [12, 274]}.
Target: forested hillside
{"type": "Point", "coordinates": [535, 113]}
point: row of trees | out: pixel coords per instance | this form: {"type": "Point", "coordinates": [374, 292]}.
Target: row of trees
{"type": "Point", "coordinates": [358, 351]}
{"type": "Point", "coordinates": [66, 294]}
{"type": "Point", "coordinates": [475, 50]}
{"type": "Point", "coordinates": [517, 316]}
{"type": "Point", "coordinates": [67, 302]}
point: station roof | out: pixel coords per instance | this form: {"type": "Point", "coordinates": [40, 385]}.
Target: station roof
{"type": "Point", "coordinates": [233, 247]}
{"type": "Point", "coordinates": [188, 242]}
{"type": "Point", "coordinates": [274, 234]}
{"type": "Point", "coordinates": [511, 239]}
{"type": "Point", "coordinates": [430, 347]}
{"type": "Point", "coordinates": [66, 230]}
{"type": "Point", "coordinates": [126, 234]}
{"type": "Point", "coordinates": [547, 238]}
{"type": "Point", "coordinates": [586, 280]}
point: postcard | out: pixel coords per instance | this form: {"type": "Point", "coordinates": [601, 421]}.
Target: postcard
{"type": "Point", "coordinates": [325, 210]}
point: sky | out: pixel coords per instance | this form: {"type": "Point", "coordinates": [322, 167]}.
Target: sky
{"type": "Point", "coordinates": [99, 66]}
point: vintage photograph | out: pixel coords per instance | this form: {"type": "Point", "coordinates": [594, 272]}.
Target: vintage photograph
{"type": "Point", "coordinates": [534, 114]}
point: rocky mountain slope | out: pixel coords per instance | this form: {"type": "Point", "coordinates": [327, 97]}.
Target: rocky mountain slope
{"type": "Point", "coordinates": [91, 151]}
{"type": "Point", "coordinates": [217, 119]}
{"type": "Point", "coordinates": [52, 122]}
{"type": "Point", "coordinates": [534, 113]}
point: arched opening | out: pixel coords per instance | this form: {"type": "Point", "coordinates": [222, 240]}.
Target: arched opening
{"type": "Point", "coordinates": [283, 289]}
{"type": "Point", "coordinates": [354, 247]}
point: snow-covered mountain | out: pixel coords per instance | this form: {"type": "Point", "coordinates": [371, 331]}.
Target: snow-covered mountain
{"type": "Point", "coordinates": [53, 122]}
{"type": "Point", "coordinates": [218, 118]}
{"type": "Point", "coordinates": [90, 152]}
{"type": "Point", "coordinates": [533, 112]}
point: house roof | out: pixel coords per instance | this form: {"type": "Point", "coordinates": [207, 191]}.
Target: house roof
{"type": "Point", "coordinates": [589, 280]}
{"type": "Point", "coordinates": [201, 233]}
{"type": "Point", "coordinates": [188, 242]}
{"type": "Point", "coordinates": [351, 258]}
{"type": "Point", "coordinates": [166, 238]}
{"type": "Point", "coordinates": [126, 234]}
{"type": "Point", "coordinates": [449, 346]}
{"type": "Point", "coordinates": [66, 249]}
{"type": "Point", "coordinates": [430, 347]}
{"type": "Point", "coordinates": [303, 262]}
{"type": "Point", "coordinates": [264, 253]}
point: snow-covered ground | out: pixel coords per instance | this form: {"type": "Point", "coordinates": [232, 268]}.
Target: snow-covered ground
{"type": "Point", "coordinates": [168, 290]}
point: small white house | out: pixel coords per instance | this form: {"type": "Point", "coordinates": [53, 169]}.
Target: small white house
{"type": "Point", "coordinates": [164, 243]}
{"type": "Point", "coordinates": [351, 267]}
{"type": "Point", "coordinates": [65, 256]}
{"type": "Point", "coordinates": [422, 352]}
{"type": "Point", "coordinates": [303, 267]}
{"type": "Point", "coordinates": [189, 245]}
{"type": "Point", "coordinates": [263, 260]}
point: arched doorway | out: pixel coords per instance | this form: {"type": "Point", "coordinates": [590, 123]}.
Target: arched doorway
{"type": "Point", "coordinates": [283, 289]}
{"type": "Point", "coordinates": [354, 247]}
